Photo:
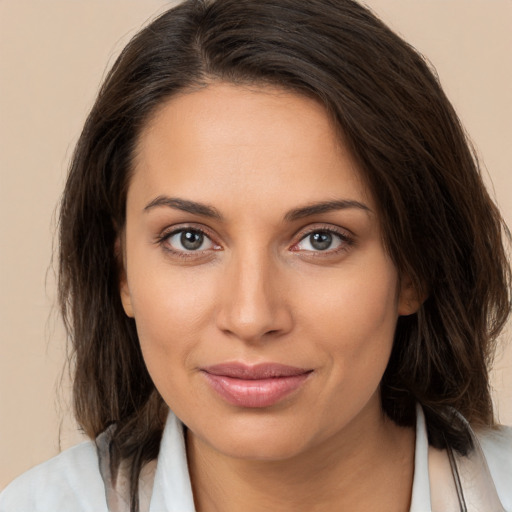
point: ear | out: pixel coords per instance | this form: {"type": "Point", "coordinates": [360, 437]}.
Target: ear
{"type": "Point", "coordinates": [124, 291]}
{"type": "Point", "coordinates": [410, 298]}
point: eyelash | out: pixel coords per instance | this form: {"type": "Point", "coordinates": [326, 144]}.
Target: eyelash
{"type": "Point", "coordinates": [346, 241]}
{"type": "Point", "coordinates": [168, 234]}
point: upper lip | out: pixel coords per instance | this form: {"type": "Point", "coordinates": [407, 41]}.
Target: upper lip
{"type": "Point", "coordinates": [237, 370]}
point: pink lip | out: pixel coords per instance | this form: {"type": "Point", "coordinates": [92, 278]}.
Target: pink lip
{"type": "Point", "coordinates": [261, 385]}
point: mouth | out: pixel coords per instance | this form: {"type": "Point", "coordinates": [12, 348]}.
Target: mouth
{"type": "Point", "coordinates": [257, 386]}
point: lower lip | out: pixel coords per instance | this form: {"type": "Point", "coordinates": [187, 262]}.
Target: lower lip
{"type": "Point", "coordinates": [255, 393]}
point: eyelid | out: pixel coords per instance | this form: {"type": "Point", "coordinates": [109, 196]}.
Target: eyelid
{"type": "Point", "coordinates": [346, 236]}
{"type": "Point", "coordinates": [348, 239]}
{"type": "Point", "coordinates": [171, 231]}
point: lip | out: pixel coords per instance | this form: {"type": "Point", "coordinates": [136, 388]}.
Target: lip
{"type": "Point", "coordinates": [254, 386]}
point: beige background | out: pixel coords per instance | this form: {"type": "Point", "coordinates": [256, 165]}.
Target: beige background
{"type": "Point", "coordinates": [52, 57]}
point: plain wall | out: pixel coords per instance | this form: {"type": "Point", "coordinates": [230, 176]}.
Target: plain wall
{"type": "Point", "coordinates": [53, 55]}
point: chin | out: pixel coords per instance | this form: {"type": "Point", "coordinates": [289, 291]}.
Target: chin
{"type": "Point", "coordinates": [271, 440]}
{"type": "Point", "coordinates": [262, 449]}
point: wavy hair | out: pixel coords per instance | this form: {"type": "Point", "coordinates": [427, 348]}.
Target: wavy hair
{"type": "Point", "coordinates": [439, 224]}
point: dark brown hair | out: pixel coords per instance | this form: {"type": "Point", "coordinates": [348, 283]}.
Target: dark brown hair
{"type": "Point", "coordinates": [439, 225]}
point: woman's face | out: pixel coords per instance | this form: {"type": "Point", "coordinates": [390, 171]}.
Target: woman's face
{"type": "Point", "coordinates": [264, 300]}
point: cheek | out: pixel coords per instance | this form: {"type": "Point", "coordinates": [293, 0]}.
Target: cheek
{"type": "Point", "coordinates": [353, 322]}
{"type": "Point", "coordinates": [171, 308]}
{"type": "Point", "coordinates": [358, 298]}
{"type": "Point", "coordinates": [355, 314]}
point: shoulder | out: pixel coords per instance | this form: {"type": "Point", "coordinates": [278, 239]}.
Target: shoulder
{"type": "Point", "coordinates": [69, 481]}
{"type": "Point", "coordinates": [497, 447]}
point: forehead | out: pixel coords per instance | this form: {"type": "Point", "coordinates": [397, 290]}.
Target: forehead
{"type": "Point", "coordinates": [259, 143]}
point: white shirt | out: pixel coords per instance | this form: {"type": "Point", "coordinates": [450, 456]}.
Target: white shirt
{"type": "Point", "coordinates": [71, 481]}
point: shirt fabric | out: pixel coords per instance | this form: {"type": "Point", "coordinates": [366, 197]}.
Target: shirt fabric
{"type": "Point", "coordinates": [71, 481]}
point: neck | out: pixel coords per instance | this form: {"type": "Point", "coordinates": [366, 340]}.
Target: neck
{"type": "Point", "coordinates": [363, 469]}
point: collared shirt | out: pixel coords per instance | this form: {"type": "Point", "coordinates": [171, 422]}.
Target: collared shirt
{"type": "Point", "coordinates": [72, 481]}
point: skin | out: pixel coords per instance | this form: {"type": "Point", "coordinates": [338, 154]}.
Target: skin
{"type": "Point", "coordinates": [258, 290]}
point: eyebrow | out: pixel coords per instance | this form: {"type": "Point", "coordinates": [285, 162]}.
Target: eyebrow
{"type": "Point", "coordinates": [185, 206]}
{"type": "Point", "coordinates": [324, 207]}
{"type": "Point", "coordinates": [293, 215]}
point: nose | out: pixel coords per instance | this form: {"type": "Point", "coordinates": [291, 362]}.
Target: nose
{"type": "Point", "coordinates": [253, 302]}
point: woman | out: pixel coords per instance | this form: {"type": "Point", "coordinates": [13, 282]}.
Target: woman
{"type": "Point", "coordinates": [281, 275]}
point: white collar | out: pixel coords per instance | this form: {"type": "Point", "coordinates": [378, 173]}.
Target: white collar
{"type": "Point", "coordinates": [172, 490]}
{"type": "Point", "coordinates": [420, 500]}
